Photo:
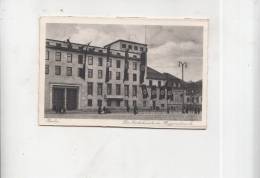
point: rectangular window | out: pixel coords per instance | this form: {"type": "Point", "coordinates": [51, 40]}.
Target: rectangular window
{"type": "Point", "coordinates": [159, 83]}
{"type": "Point", "coordinates": [47, 55]}
{"type": "Point", "coordinates": [57, 70]}
{"type": "Point", "coordinates": [134, 77]}
{"type": "Point", "coordinates": [134, 65]}
{"type": "Point", "coordinates": [58, 44]}
{"type": "Point", "coordinates": [134, 102]}
{"type": "Point", "coordinates": [134, 90]}
{"type": "Point", "coordinates": [69, 71]}
{"type": "Point", "coordinates": [46, 69]}
{"type": "Point", "coordinates": [99, 103]}
{"type": "Point", "coordinates": [162, 105]}
{"type": "Point", "coordinates": [80, 72]}
{"type": "Point", "coordinates": [90, 88]}
{"type": "Point", "coordinates": [118, 64]}
{"type": "Point", "coordinates": [108, 102]}
{"type": "Point", "coordinates": [80, 59]}
{"type": "Point", "coordinates": [118, 103]}
{"type": "Point", "coordinates": [150, 83]}
{"type": "Point", "coordinates": [144, 103]}
{"type": "Point", "coordinates": [129, 46]}
{"type": "Point", "coordinates": [134, 56]}
{"type": "Point", "coordinates": [118, 89]}
{"type": "Point", "coordinates": [123, 45]}
{"type": "Point", "coordinates": [100, 74]}
{"type": "Point", "coordinates": [99, 89]}
{"type": "Point", "coordinates": [90, 73]}
{"type": "Point", "coordinates": [126, 103]}
{"type": "Point", "coordinates": [141, 49]}
{"type": "Point", "coordinates": [135, 48]}
{"type": "Point", "coordinates": [90, 60]}
{"type": "Point", "coordinates": [117, 75]}
{"type": "Point", "coordinates": [109, 89]}
{"type": "Point", "coordinates": [100, 61]}
{"type": "Point", "coordinates": [110, 75]}
{"type": "Point", "coordinates": [58, 56]}
{"type": "Point", "coordinates": [118, 54]}
{"type": "Point", "coordinates": [89, 102]}
{"type": "Point", "coordinates": [110, 62]}
{"type": "Point", "coordinates": [126, 90]}
{"type": "Point", "coordinates": [100, 51]}
{"type": "Point", "coordinates": [69, 57]}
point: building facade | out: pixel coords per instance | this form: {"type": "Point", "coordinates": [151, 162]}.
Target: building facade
{"type": "Point", "coordinates": [85, 77]}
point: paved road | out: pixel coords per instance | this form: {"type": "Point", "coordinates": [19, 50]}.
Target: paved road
{"type": "Point", "coordinates": [139, 116]}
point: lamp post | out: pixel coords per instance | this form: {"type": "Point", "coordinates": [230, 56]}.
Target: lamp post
{"type": "Point", "coordinates": [182, 65]}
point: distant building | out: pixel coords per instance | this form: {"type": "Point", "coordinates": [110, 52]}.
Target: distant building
{"type": "Point", "coordinates": [81, 77]}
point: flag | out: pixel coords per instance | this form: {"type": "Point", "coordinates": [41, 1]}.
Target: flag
{"type": "Point", "coordinates": [69, 44]}
{"type": "Point", "coordinates": [83, 74]}
{"type": "Point", "coordinates": [162, 93]}
{"type": "Point", "coordinates": [126, 66]}
{"type": "Point", "coordinates": [169, 93]}
{"type": "Point", "coordinates": [142, 67]}
{"type": "Point", "coordinates": [144, 91]}
{"type": "Point", "coordinates": [153, 92]}
{"type": "Point", "coordinates": [107, 65]}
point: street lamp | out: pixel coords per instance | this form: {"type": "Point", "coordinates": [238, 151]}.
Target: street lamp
{"type": "Point", "coordinates": [182, 65]}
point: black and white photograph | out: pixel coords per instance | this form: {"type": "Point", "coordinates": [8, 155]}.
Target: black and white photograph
{"type": "Point", "coordinates": [123, 72]}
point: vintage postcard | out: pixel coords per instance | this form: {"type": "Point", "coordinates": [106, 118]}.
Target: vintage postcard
{"type": "Point", "coordinates": [123, 72]}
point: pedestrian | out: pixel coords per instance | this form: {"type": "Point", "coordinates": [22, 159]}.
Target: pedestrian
{"type": "Point", "coordinates": [127, 108]}
{"type": "Point", "coordinates": [104, 110]}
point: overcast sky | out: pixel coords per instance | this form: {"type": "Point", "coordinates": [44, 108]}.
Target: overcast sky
{"type": "Point", "coordinates": [166, 44]}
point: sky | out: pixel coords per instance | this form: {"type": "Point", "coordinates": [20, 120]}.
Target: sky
{"type": "Point", "coordinates": [166, 44]}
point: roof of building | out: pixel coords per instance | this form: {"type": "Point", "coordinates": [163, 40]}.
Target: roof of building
{"type": "Point", "coordinates": [171, 77]}
{"type": "Point", "coordinates": [154, 74]}
{"type": "Point", "coordinates": [126, 41]}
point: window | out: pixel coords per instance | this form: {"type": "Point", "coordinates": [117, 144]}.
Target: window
{"type": "Point", "coordinates": [174, 84]}
{"type": "Point", "coordinates": [100, 74]}
{"type": "Point", "coordinates": [100, 51]}
{"type": "Point", "coordinates": [69, 71]}
{"type": "Point", "coordinates": [135, 48]}
{"type": "Point", "coordinates": [109, 89]}
{"type": "Point", "coordinates": [58, 56]}
{"type": "Point", "coordinates": [134, 90]}
{"type": "Point", "coordinates": [46, 69]}
{"type": "Point", "coordinates": [141, 49]}
{"type": "Point", "coordinates": [144, 103]}
{"type": "Point", "coordinates": [179, 85]}
{"type": "Point", "coordinates": [118, 63]}
{"type": "Point", "coordinates": [80, 59]}
{"type": "Point", "coordinates": [99, 89]}
{"type": "Point", "coordinates": [110, 62]}
{"type": "Point", "coordinates": [80, 72]}
{"type": "Point", "coordinates": [89, 102]}
{"type": "Point", "coordinates": [118, 89]}
{"type": "Point", "coordinates": [100, 61]}
{"type": "Point", "coordinates": [188, 99]}
{"type": "Point", "coordinates": [135, 65]}
{"type": "Point", "coordinates": [134, 77]}
{"type": "Point", "coordinates": [159, 83]}
{"type": "Point", "coordinates": [90, 73]}
{"type": "Point", "coordinates": [47, 55]}
{"type": "Point", "coordinates": [117, 75]}
{"type": "Point", "coordinates": [118, 54]}
{"type": "Point", "coordinates": [57, 70]}
{"type": "Point", "coordinates": [126, 103]}
{"type": "Point", "coordinates": [134, 102]}
{"type": "Point", "coordinates": [90, 60]}
{"type": "Point", "coordinates": [129, 46]}
{"type": "Point", "coordinates": [58, 44]}
{"type": "Point", "coordinates": [110, 75]}
{"type": "Point", "coordinates": [134, 56]}
{"type": "Point", "coordinates": [108, 102]}
{"type": "Point", "coordinates": [69, 57]}
{"type": "Point", "coordinates": [126, 90]}
{"type": "Point", "coordinates": [117, 103]}
{"type": "Point", "coordinates": [90, 88]}
{"type": "Point", "coordinates": [150, 83]}
{"type": "Point", "coordinates": [99, 103]}
{"type": "Point", "coordinates": [123, 45]}
{"type": "Point", "coordinates": [162, 105]}
{"type": "Point", "coordinates": [197, 99]}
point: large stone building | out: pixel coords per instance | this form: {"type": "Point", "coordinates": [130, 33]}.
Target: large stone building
{"type": "Point", "coordinates": [84, 77]}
